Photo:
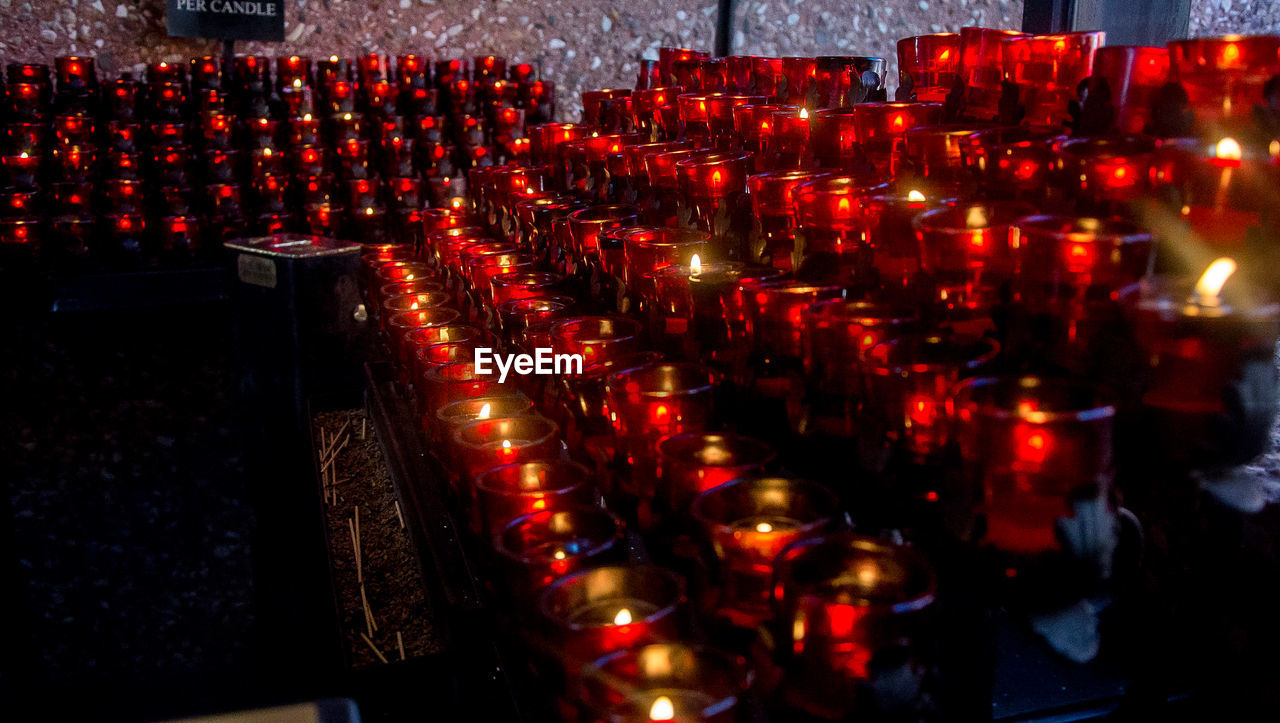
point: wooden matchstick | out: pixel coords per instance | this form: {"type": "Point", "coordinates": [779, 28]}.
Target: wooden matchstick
{"type": "Point", "coordinates": [369, 622]}
{"type": "Point", "coordinates": [355, 547]}
{"type": "Point", "coordinates": [374, 648]}
{"type": "Point", "coordinates": [363, 422]}
{"type": "Point", "coordinates": [399, 516]}
{"type": "Point", "coordinates": [400, 644]}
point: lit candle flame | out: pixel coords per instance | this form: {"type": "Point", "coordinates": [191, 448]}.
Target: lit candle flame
{"type": "Point", "coordinates": [1213, 279]}
{"type": "Point", "coordinates": [333, 58]}
{"type": "Point", "coordinates": [915, 196]}
{"type": "Point", "coordinates": [695, 265]}
{"type": "Point", "coordinates": [307, 117]}
{"type": "Point", "coordinates": [559, 555]}
{"type": "Point", "coordinates": [764, 527]}
{"type": "Point", "coordinates": [804, 113]}
{"type": "Point", "coordinates": [868, 574]}
{"type": "Point", "coordinates": [976, 218]}
{"type": "Point", "coordinates": [484, 412]}
{"type": "Point", "coordinates": [297, 82]}
{"type": "Point", "coordinates": [662, 709]}
{"type": "Point", "coordinates": [506, 444]}
{"type": "Point", "coordinates": [623, 617]}
{"type": "Point", "coordinates": [1228, 149]}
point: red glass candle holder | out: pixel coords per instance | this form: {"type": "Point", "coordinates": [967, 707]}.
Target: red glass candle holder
{"type": "Point", "coordinates": [586, 224]}
{"type": "Point", "coordinates": [848, 607]}
{"type": "Point", "coordinates": [537, 549]}
{"type": "Point", "coordinates": [982, 66]}
{"type": "Point", "coordinates": [606, 609]}
{"type": "Point", "coordinates": [772, 240]}
{"type": "Point", "coordinates": [720, 124]}
{"type": "Point", "coordinates": [647, 110]}
{"type": "Point", "coordinates": [447, 420]}
{"type": "Point", "coordinates": [592, 101]}
{"type": "Point", "coordinates": [24, 138]}
{"type": "Point", "coordinates": [826, 224]}
{"type": "Point", "coordinates": [1199, 338]}
{"type": "Point", "coordinates": [21, 237]}
{"type": "Point", "coordinates": [881, 130]}
{"type": "Point", "coordinates": [1047, 69]}
{"type": "Point", "coordinates": [664, 681]}
{"type": "Point", "coordinates": [843, 80]}
{"type": "Point", "coordinates": [775, 313]}
{"type": "Point", "coordinates": [700, 310]}
{"type": "Point", "coordinates": [936, 152]}
{"type": "Point", "coordinates": [835, 138]}
{"type": "Point", "coordinates": [22, 170]}
{"type": "Point", "coordinates": [1134, 75]}
{"type": "Point", "coordinates": [653, 401]}
{"type": "Point", "coordinates": [966, 250]}
{"type": "Point", "coordinates": [931, 63]}
{"type": "Point", "coordinates": [1035, 447]}
{"type": "Point", "coordinates": [647, 250]}
{"type": "Point", "coordinates": [1012, 167]}
{"type": "Point", "coordinates": [797, 75]}
{"type": "Point", "coordinates": [1224, 77]}
{"type": "Point", "coordinates": [596, 338]}
{"type": "Point", "coordinates": [694, 462]}
{"type": "Point", "coordinates": [909, 380]}
{"type": "Point", "coordinates": [74, 162]}
{"type": "Point", "coordinates": [514, 490]}
{"type": "Point", "coordinates": [399, 323]}
{"type": "Point", "coordinates": [711, 189]}
{"type": "Point", "coordinates": [747, 523]}
{"type": "Point", "coordinates": [1067, 260]}
{"type": "Point", "coordinates": [1224, 188]}
{"type": "Point", "coordinates": [445, 383]}
{"type": "Point", "coordinates": [394, 303]}
{"type": "Point", "coordinates": [837, 335]}
{"type": "Point", "coordinates": [486, 443]}
{"type": "Point", "coordinates": [755, 127]}
{"type": "Point", "coordinates": [525, 285]}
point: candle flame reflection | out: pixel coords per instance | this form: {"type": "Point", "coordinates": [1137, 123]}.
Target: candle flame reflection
{"type": "Point", "coordinates": [1214, 278]}
{"type": "Point", "coordinates": [662, 709]}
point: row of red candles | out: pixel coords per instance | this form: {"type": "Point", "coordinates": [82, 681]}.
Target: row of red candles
{"type": "Point", "coordinates": [295, 168]}
{"type": "Point", "coordinates": [1034, 440]}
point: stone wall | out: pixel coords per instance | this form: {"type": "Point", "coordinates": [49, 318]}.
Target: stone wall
{"type": "Point", "coordinates": [578, 43]}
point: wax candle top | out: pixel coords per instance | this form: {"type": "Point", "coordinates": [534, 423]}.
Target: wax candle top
{"type": "Point", "coordinates": [552, 536]}
{"type": "Point", "coordinates": [930, 353]}
{"type": "Point", "coordinates": [765, 505]}
{"type": "Point", "coordinates": [665, 681]}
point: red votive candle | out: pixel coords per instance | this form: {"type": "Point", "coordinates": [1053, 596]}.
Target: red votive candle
{"type": "Point", "coordinates": [647, 250]}
{"type": "Point", "coordinates": [1225, 189]}
{"type": "Point", "coordinates": [401, 322]}
{"type": "Point", "coordinates": [966, 250]}
{"type": "Point", "coordinates": [606, 609]}
{"type": "Point", "coordinates": [447, 420]}
{"type": "Point", "coordinates": [720, 124]}
{"type": "Point", "coordinates": [839, 332]}
{"type": "Point", "coordinates": [596, 338]}
{"type": "Point", "coordinates": [748, 522]}
{"type": "Point", "coordinates": [656, 400]}
{"type": "Point", "coordinates": [936, 152]}
{"type": "Point", "coordinates": [647, 110]}
{"type": "Point", "coordinates": [931, 62]}
{"type": "Point", "coordinates": [694, 462]}
{"type": "Point", "coordinates": [835, 138]}
{"type": "Point", "coordinates": [513, 490]}
{"type": "Point", "coordinates": [909, 381]}
{"type": "Point", "coordinates": [1199, 339]}
{"type": "Point", "coordinates": [664, 681]}
{"type": "Point", "coordinates": [982, 66]}
{"type": "Point", "coordinates": [834, 76]}
{"type": "Point", "coordinates": [772, 201]}
{"type": "Point", "coordinates": [881, 130]}
{"type": "Point", "coordinates": [524, 285]}
{"type": "Point", "coordinates": [488, 443]}
{"type": "Point", "coordinates": [453, 381]}
{"type": "Point", "coordinates": [705, 180]}
{"type": "Point", "coordinates": [592, 100]}
{"type": "Point", "coordinates": [1047, 69]}
{"type": "Point", "coordinates": [1134, 75]}
{"type": "Point", "coordinates": [1224, 77]}
{"type": "Point", "coordinates": [1062, 263]}
{"type": "Point", "coordinates": [797, 74]}
{"type": "Point", "coordinates": [1035, 447]}
{"type": "Point", "coordinates": [537, 549]}
{"type": "Point", "coordinates": [844, 606]}
{"type": "Point", "coordinates": [885, 216]}
{"type": "Point", "coordinates": [825, 215]}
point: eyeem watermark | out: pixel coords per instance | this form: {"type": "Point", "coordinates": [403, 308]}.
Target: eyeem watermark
{"type": "Point", "coordinates": [541, 362]}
